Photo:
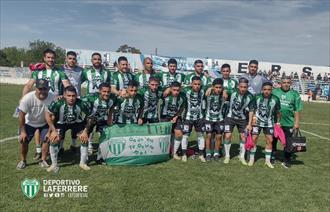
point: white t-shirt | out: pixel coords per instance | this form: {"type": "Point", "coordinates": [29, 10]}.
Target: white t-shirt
{"type": "Point", "coordinates": [35, 108]}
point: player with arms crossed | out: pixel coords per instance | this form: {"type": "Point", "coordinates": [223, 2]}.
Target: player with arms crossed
{"type": "Point", "coordinates": [267, 109]}
{"type": "Point", "coordinates": [171, 109]}
{"type": "Point", "coordinates": [240, 102]}
{"type": "Point", "coordinates": [68, 113]}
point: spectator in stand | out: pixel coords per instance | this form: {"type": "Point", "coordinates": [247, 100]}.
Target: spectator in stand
{"type": "Point", "coordinates": [291, 75]}
{"type": "Point", "coordinates": [319, 77]}
{"type": "Point", "coordinates": [325, 78]}
{"type": "Point", "coordinates": [296, 75]}
{"type": "Point", "coordinates": [309, 94]}
{"type": "Point", "coordinates": [312, 76]}
{"type": "Point", "coordinates": [318, 92]}
{"type": "Point", "coordinates": [283, 74]}
{"type": "Point", "coordinates": [303, 76]}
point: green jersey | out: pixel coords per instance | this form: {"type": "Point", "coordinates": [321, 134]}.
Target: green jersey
{"type": "Point", "coordinates": [100, 108]}
{"type": "Point", "coordinates": [150, 102]}
{"type": "Point", "coordinates": [214, 107]}
{"type": "Point", "coordinates": [206, 81]}
{"type": "Point", "coordinates": [230, 85]}
{"type": "Point", "coordinates": [290, 103]}
{"type": "Point", "coordinates": [195, 104]}
{"type": "Point", "coordinates": [143, 78]}
{"type": "Point", "coordinates": [55, 78]}
{"type": "Point", "coordinates": [166, 78]}
{"type": "Point", "coordinates": [240, 104]}
{"type": "Point", "coordinates": [94, 78]}
{"type": "Point", "coordinates": [66, 114]}
{"type": "Point", "coordinates": [121, 79]}
{"type": "Point", "coordinates": [172, 105]}
{"type": "Point", "coordinates": [128, 109]}
{"type": "Point", "coordinates": [266, 110]}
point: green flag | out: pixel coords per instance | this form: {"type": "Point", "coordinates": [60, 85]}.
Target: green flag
{"type": "Point", "coordinates": [132, 144]}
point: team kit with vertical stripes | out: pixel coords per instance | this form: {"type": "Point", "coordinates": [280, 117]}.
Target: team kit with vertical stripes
{"type": "Point", "coordinates": [205, 113]}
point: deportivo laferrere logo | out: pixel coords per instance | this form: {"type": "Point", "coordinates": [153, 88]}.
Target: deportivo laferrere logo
{"type": "Point", "coordinates": [116, 146]}
{"type": "Point", "coordinates": [30, 187]}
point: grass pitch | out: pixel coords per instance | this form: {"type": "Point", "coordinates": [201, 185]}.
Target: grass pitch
{"type": "Point", "coordinates": [173, 185]}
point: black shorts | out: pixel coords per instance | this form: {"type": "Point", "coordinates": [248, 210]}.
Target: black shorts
{"type": "Point", "coordinates": [188, 125]}
{"type": "Point", "coordinates": [175, 126]}
{"type": "Point", "coordinates": [256, 130]}
{"type": "Point", "coordinates": [230, 123]}
{"type": "Point", "coordinates": [214, 127]}
{"type": "Point", "coordinates": [100, 125]}
{"type": "Point", "coordinates": [31, 130]}
{"type": "Point", "coordinates": [76, 128]}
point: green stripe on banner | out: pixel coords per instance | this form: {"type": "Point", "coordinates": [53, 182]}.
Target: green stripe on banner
{"type": "Point", "coordinates": [137, 160]}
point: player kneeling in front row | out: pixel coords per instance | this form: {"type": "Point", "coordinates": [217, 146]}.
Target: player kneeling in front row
{"type": "Point", "coordinates": [151, 95]}
{"type": "Point", "coordinates": [101, 107]}
{"type": "Point", "coordinates": [214, 123]}
{"type": "Point", "coordinates": [171, 110]}
{"type": "Point", "coordinates": [267, 106]}
{"type": "Point", "coordinates": [68, 113]}
{"type": "Point", "coordinates": [129, 109]}
{"type": "Point", "coordinates": [240, 102]}
{"type": "Point", "coordinates": [193, 117]}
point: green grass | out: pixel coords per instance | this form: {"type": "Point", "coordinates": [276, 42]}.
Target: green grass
{"type": "Point", "coordinates": [174, 186]}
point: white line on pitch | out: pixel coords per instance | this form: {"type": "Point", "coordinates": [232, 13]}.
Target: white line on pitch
{"type": "Point", "coordinates": [8, 139]}
{"type": "Point", "coordinates": [314, 123]}
{"type": "Point", "coordinates": [315, 135]}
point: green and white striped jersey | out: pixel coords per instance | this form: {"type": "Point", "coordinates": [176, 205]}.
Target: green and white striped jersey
{"type": "Point", "coordinates": [66, 114]}
{"type": "Point", "coordinates": [100, 108]}
{"type": "Point", "coordinates": [206, 81]}
{"type": "Point", "coordinates": [240, 104]}
{"type": "Point", "coordinates": [213, 107]}
{"type": "Point", "coordinates": [94, 78]}
{"type": "Point", "coordinates": [127, 109]}
{"type": "Point", "coordinates": [230, 85]}
{"type": "Point", "coordinates": [172, 105]}
{"type": "Point", "coordinates": [55, 78]}
{"type": "Point", "coordinates": [150, 102]}
{"type": "Point", "coordinates": [266, 110]}
{"type": "Point", "coordinates": [121, 79]}
{"type": "Point", "coordinates": [166, 78]}
{"type": "Point", "coordinates": [195, 104]}
{"type": "Point", "coordinates": [143, 79]}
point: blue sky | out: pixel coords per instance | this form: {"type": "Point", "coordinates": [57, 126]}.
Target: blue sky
{"type": "Point", "coordinates": [274, 31]}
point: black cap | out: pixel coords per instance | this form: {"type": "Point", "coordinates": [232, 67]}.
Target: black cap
{"type": "Point", "coordinates": [40, 83]}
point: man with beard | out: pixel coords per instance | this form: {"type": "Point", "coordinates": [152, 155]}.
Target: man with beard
{"type": "Point", "coordinates": [121, 78]}
{"type": "Point", "coordinates": [255, 80]}
{"type": "Point", "coordinates": [167, 78]}
{"type": "Point", "coordinates": [199, 68]}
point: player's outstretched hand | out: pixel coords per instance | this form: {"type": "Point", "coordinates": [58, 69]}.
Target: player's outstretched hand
{"type": "Point", "coordinates": [84, 137]}
{"type": "Point", "coordinates": [249, 128]}
{"type": "Point", "coordinates": [174, 119]}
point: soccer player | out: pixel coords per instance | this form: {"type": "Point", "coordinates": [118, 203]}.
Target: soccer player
{"type": "Point", "coordinates": [148, 71]}
{"type": "Point", "coordinates": [291, 106]}
{"type": "Point", "coordinates": [171, 109]}
{"type": "Point", "coordinates": [151, 96]}
{"type": "Point", "coordinates": [229, 84]}
{"type": "Point", "coordinates": [95, 75]}
{"type": "Point", "coordinates": [214, 121]}
{"type": "Point", "coordinates": [32, 117]}
{"type": "Point", "coordinates": [167, 78]}
{"type": "Point", "coordinates": [255, 80]}
{"type": "Point", "coordinates": [68, 113]}
{"type": "Point", "coordinates": [129, 109]}
{"type": "Point", "coordinates": [267, 109]}
{"type": "Point", "coordinates": [199, 66]}
{"type": "Point", "coordinates": [72, 71]}
{"type": "Point", "coordinates": [121, 78]}
{"type": "Point", "coordinates": [57, 80]}
{"type": "Point", "coordinates": [193, 117]}
{"type": "Point", "coordinates": [241, 101]}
